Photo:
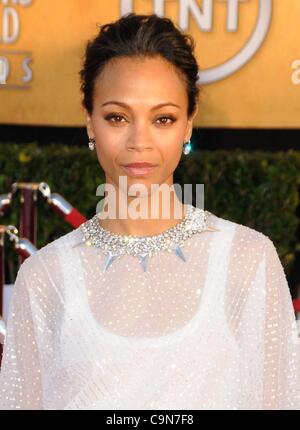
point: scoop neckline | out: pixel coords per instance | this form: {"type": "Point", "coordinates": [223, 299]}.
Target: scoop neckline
{"type": "Point", "coordinates": [160, 340]}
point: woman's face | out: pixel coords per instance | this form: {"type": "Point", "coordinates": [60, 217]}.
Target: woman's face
{"type": "Point", "coordinates": [137, 130]}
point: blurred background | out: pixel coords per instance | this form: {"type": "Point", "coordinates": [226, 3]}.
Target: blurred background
{"type": "Point", "coordinates": [246, 136]}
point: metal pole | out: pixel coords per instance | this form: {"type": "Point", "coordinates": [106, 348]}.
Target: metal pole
{"type": "Point", "coordinates": [2, 275]}
{"type": "Point", "coordinates": [28, 216]}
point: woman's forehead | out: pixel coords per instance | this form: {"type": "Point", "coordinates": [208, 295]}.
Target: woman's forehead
{"type": "Point", "coordinates": [150, 78]}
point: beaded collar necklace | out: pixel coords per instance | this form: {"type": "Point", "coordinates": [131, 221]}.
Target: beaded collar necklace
{"type": "Point", "coordinates": [171, 240]}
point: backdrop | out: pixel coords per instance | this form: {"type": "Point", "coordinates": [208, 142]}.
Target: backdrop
{"type": "Point", "coordinates": [248, 52]}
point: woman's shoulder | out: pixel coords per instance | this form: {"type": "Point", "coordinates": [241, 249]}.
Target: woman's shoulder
{"type": "Point", "coordinates": [242, 234]}
{"type": "Point", "coordinates": [43, 271]}
{"type": "Point", "coordinates": [49, 254]}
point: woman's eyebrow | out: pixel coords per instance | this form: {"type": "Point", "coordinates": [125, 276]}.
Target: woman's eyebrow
{"type": "Point", "coordinates": [127, 106]}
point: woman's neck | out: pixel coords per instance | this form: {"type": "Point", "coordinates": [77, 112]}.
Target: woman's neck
{"type": "Point", "coordinates": [154, 222]}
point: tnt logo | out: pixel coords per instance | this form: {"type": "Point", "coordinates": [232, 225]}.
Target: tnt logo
{"type": "Point", "coordinates": [203, 16]}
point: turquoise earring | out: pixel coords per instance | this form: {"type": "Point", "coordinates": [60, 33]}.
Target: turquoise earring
{"type": "Point", "coordinates": [187, 147]}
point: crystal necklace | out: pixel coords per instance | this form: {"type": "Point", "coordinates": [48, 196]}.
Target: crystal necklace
{"type": "Point", "coordinates": [171, 240]}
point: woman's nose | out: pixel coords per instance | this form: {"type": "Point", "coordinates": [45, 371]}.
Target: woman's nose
{"type": "Point", "coordinates": [140, 139]}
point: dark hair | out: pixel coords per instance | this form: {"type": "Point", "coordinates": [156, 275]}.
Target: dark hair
{"type": "Point", "coordinates": [142, 36]}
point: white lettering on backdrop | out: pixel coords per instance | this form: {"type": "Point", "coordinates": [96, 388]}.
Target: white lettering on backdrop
{"type": "Point", "coordinates": [10, 29]}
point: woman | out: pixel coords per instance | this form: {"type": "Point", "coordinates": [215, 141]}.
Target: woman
{"type": "Point", "coordinates": [179, 312]}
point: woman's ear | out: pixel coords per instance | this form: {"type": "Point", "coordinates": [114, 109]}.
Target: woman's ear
{"type": "Point", "coordinates": [189, 128]}
{"type": "Point", "coordinates": [89, 124]}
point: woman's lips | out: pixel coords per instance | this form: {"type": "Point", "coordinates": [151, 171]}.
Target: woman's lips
{"type": "Point", "coordinates": [139, 171]}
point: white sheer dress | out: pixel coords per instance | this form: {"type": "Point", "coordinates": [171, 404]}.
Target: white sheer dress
{"type": "Point", "coordinates": [214, 331]}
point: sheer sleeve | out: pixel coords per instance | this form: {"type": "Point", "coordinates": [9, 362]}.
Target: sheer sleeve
{"type": "Point", "coordinates": [20, 377]}
{"type": "Point", "coordinates": [281, 364]}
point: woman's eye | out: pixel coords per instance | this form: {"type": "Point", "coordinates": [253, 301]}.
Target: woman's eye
{"type": "Point", "coordinates": [109, 117]}
{"type": "Point", "coordinates": [172, 119]}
